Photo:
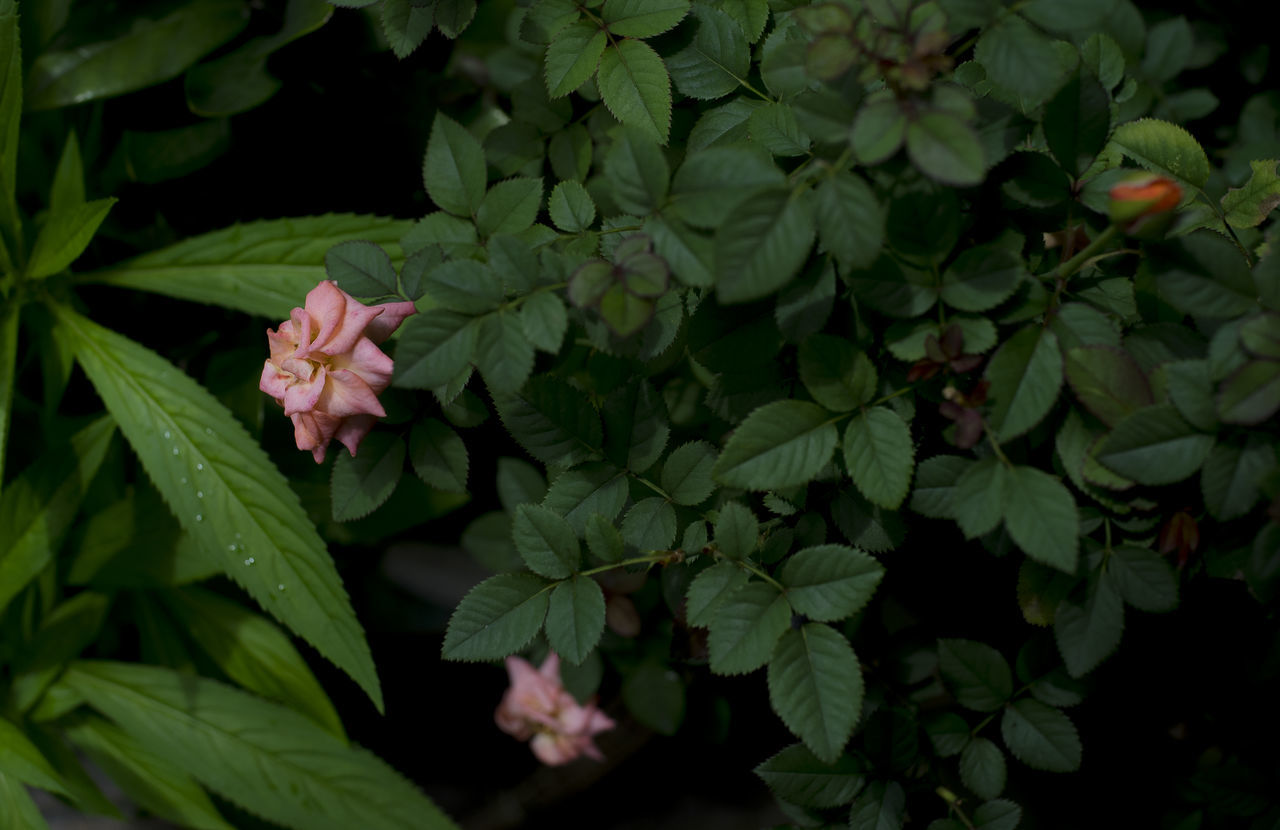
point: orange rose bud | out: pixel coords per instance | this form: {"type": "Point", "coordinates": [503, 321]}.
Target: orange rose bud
{"type": "Point", "coordinates": [1141, 203]}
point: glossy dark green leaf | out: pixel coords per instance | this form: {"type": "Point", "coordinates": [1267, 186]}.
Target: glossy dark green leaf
{"type": "Point", "coordinates": [881, 806]}
{"type": "Point", "coordinates": [737, 532]}
{"type": "Point", "coordinates": [643, 18]}
{"type": "Point", "coordinates": [744, 628]}
{"type": "Point", "coordinates": [362, 269]}
{"type": "Point", "coordinates": [1021, 60]}
{"type": "Point", "coordinates": [827, 583]}
{"type": "Point", "coordinates": [1251, 395]}
{"type": "Point", "coordinates": [982, 768]}
{"type": "Point", "coordinates": [979, 496]}
{"type": "Point", "coordinates": [1087, 633]}
{"type": "Point", "coordinates": [850, 220]}
{"type": "Point", "coordinates": [946, 149]}
{"type": "Point", "coordinates": [815, 686]}
{"type": "Point", "coordinates": [717, 60]}
{"type": "Point", "coordinates": [1040, 514]}
{"type": "Point", "coordinates": [879, 455]}
{"type": "Point", "coordinates": [781, 444]}
{"type": "Point", "coordinates": [497, 618]}
{"type": "Point", "coordinates": [982, 278]}
{"type": "Point", "coordinates": [1076, 122]}
{"type": "Point", "coordinates": [976, 673]}
{"type": "Point", "coordinates": [650, 525]}
{"type": "Point", "coordinates": [433, 348]}
{"type": "Point", "coordinates": [636, 88]}
{"type": "Point", "coordinates": [1143, 578]}
{"type": "Point", "coordinates": [797, 775]}
{"type": "Point", "coordinates": [1041, 737]}
{"type": "Point", "coordinates": [572, 57]}
{"type": "Point", "coordinates": [571, 207]}
{"type": "Point", "coordinates": [1163, 148]}
{"type": "Point", "coordinates": [1108, 382]}
{"type": "Point", "coordinates": [438, 455]}
{"type": "Point", "coordinates": [637, 171]}
{"type": "Point", "coordinates": [1025, 375]}
{"type": "Point", "coordinates": [510, 206]}
{"type": "Point", "coordinates": [1154, 446]}
{"type": "Point", "coordinates": [575, 618]}
{"type": "Point", "coordinates": [552, 420]}
{"type": "Point", "coordinates": [362, 483]}
{"type": "Point", "coordinates": [590, 490]}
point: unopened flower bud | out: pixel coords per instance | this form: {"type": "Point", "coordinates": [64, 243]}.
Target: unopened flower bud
{"type": "Point", "coordinates": [1142, 204]}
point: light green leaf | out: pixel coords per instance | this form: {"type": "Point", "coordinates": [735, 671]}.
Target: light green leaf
{"type": "Point", "coordinates": [976, 673]}
{"type": "Point", "coordinates": [827, 583]}
{"type": "Point", "coordinates": [509, 207]}
{"type": "Point", "coordinates": [23, 811]}
{"type": "Point", "coordinates": [575, 618]}
{"type": "Point", "coordinates": [637, 171]}
{"type": "Point", "coordinates": [253, 652]}
{"type": "Point", "coordinates": [361, 268]}
{"type": "Point", "coordinates": [545, 541]}
{"type": "Point", "coordinates": [1041, 737]}
{"type": "Point", "coordinates": [224, 490]}
{"type": "Point", "coordinates": [1247, 206]}
{"type": "Point", "coordinates": [590, 490]}
{"type": "Point", "coordinates": [1163, 148]}
{"type": "Point", "coordinates": [797, 776]}
{"type": "Point", "coordinates": [761, 245]}
{"type": "Point", "coordinates": [1041, 516]}
{"type": "Point", "coordinates": [710, 589]}
{"type": "Point", "coordinates": [946, 149]}
{"type": "Point", "coordinates": [745, 627]}
{"type": "Point", "coordinates": [1087, 634]}
{"type": "Point", "coordinates": [572, 57]}
{"type": "Point", "coordinates": [438, 455]}
{"type": "Point", "coordinates": [781, 444]}
{"type": "Point", "coordinates": [20, 759]}
{"type": "Point", "coordinates": [251, 751]}
{"type": "Point", "coordinates": [982, 768]}
{"type": "Point", "coordinates": [1143, 578]}
{"type": "Point", "coordinates": [145, 51]}
{"type": "Point", "coordinates": [643, 18]}
{"type": "Point", "coordinates": [981, 279]}
{"type": "Point", "coordinates": [635, 87]}
{"type": "Point", "coordinates": [362, 483]}
{"type": "Point", "coordinates": [880, 456]}
{"type": "Point", "coordinates": [433, 348]}
{"type": "Point", "coordinates": [64, 237]}
{"type": "Point", "coordinates": [39, 505]}
{"type": "Point", "coordinates": [262, 268]}
{"type": "Point", "coordinates": [1025, 375]}
{"type": "Point", "coordinates": [552, 420]}
{"type": "Point", "coordinates": [571, 207]}
{"type": "Point", "coordinates": [717, 60]}
{"type": "Point", "coordinates": [979, 496]}
{"type": "Point", "coordinates": [850, 220]}
{"type": "Point", "coordinates": [496, 618]}
{"type": "Point", "coordinates": [881, 806]}
{"type": "Point", "coordinates": [838, 375]}
{"type": "Point", "coordinates": [815, 686]}
{"type": "Point", "coordinates": [1154, 446]}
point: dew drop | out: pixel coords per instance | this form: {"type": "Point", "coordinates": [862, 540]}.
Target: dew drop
{"type": "Point", "coordinates": [199, 517]}
{"type": "Point", "coordinates": [175, 450]}
{"type": "Point", "coordinates": [183, 480]}
{"type": "Point", "coordinates": [199, 467]}
{"type": "Point", "coordinates": [280, 587]}
{"type": "Point", "coordinates": [208, 431]}
{"type": "Point", "coordinates": [167, 433]}
{"type": "Point", "coordinates": [249, 561]}
{"type": "Point", "coordinates": [199, 494]}
{"type": "Point", "coordinates": [237, 535]}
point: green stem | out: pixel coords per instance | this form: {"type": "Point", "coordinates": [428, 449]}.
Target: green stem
{"type": "Point", "coordinates": [995, 447]}
{"type": "Point", "coordinates": [1074, 264]}
{"type": "Point", "coordinates": [760, 573]}
{"type": "Point", "coordinates": [953, 802]}
{"type": "Point", "coordinates": [650, 558]}
{"type": "Point", "coordinates": [655, 488]}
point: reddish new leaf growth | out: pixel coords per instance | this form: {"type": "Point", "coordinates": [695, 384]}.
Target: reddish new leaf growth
{"type": "Point", "coordinates": [1180, 533]}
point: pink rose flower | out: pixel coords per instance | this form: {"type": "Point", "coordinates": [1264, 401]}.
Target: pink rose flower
{"type": "Point", "coordinates": [537, 706]}
{"type": "Point", "coordinates": [326, 368]}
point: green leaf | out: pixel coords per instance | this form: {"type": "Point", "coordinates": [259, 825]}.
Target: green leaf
{"type": "Point", "coordinates": [438, 455]}
{"type": "Point", "coordinates": [976, 673]}
{"type": "Point", "coordinates": [1108, 381]}
{"type": "Point", "coordinates": [982, 278]}
{"type": "Point", "coordinates": [737, 532]}
{"type": "Point", "coordinates": [406, 26]}
{"type": "Point", "coordinates": [571, 207]}
{"type": "Point", "coordinates": [982, 768]}
{"type": "Point", "coordinates": [1000, 814]}
{"type": "Point", "coordinates": [63, 633]}
{"type": "Point", "coordinates": [361, 268]}
{"type": "Point", "coordinates": [1191, 391]}
{"type": "Point", "coordinates": [948, 732]}
{"type": "Point", "coordinates": [796, 775]}
{"type": "Point", "coordinates": [761, 245]}
{"type": "Point", "coordinates": [655, 695]}
{"type": "Point", "coordinates": [1025, 375]}
{"type": "Point", "coordinates": [1076, 122]}
{"type": "Point", "coordinates": [881, 806]}
{"type": "Point", "coordinates": [710, 589]}
{"type": "Point", "coordinates": [781, 444]}
{"type": "Point", "coordinates": [850, 220]}
{"type": "Point", "coordinates": [67, 191]}
{"type": "Point", "coordinates": [23, 811]}
{"type": "Point", "coordinates": [509, 207]}
{"type": "Point", "coordinates": [880, 456]}
{"type": "Point", "coordinates": [1143, 578]}
{"type": "Point", "coordinates": [979, 496]}
{"type": "Point", "coordinates": [1204, 275]}
{"type": "Point", "coordinates": [827, 583]}
{"type": "Point", "coordinates": [878, 131]}
{"type": "Point", "coordinates": [1154, 446]}
{"type": "Point", "coordinates": [1260, 335]}
{"type": "Point", "coordinates": [815, 686]}
{"type": "Point", "coordinates": [64, 237]}
{"type": "Point", "coordinates": [643, 18]}
{"type": "Point", "coordinates": [1251, 395]}
{"type": "Point", "coordinates": [717, 60]}
{"type": "Point", "coordinates": [253, 652]}
{"type": "Point", "coordinates": [251, 751]}
{"type": "Point", "coordinates": [936, 480]}
{"type": "Point", "coordinates": [590, 490]}
{"type": "Point", "coordinates": [10, 116]}
{"type": "Point", "coordinates": [1231, 476]}
{"type": "Point", "coordinates": [453, 170]}
{"type": "Point", "coordinates": [603, 539]}
{"type": "Point", "coordinates": [774, 127]}
{"type": "Point", "coordinates": [636, 426]}
{"type": "Point", "coordinates": [1087, 634]}
{"type": "Point", "coordinates": [893, 288]}
{"type": "Point", "coordinates": [712, 182]}
{"type": "Point", "coordinates": [572, 57]}
{"type": "Point", "coordinates": [1040, 736]}
{"type": "Point", "coordinates": [262, 268]}
{"type": "Point", "coordinates": [224, 490]}
{"type": "Point", "coordinates": [838, 375]}
{"type": "Point", "coordinates": [1021, 60]}
{"type": "Point", "coordinates": [575, 618]}
{"type": "Point", "coordinates": [39, 505]}
{"type": "Point", "coordinates": [635, 87]}
{"type": "Point", "coordinates": [650, 525]}
{"type": "Point", "coordinates": [1249, 205]}
{"type": "Point", "coordinates": [433, 348]}
{"type": "Point", "coordinates": [544, 321]}
{"type": "Point", "coordinates": [552, 420]}
{"type": "Point", "coordinates": [496, 618]}
{"type": "Point", "coordinates": [1040, 514]}
{"type": "Point", "coordinates": [362, 483]}
{"type": "Point", "coordinates": [453, 16]}
{"type": "Point", "coordinates": [1169, 48]}
{"type": "Point", "coordinates": [145, 777]}
{"type": "Point", "coordinates": [1163, 148]}
{"type": "Point", "coordinates": [745, 627]}
{"type": "Point", "coordinates": [8, 372]}
{"type": "Point", "coordinates": [20, 759]}
{"type": "Point", "coordinates": [465, 286]}
{"type": "Point", "coordinates": [943, 147]}
{"type": "Point", "coordinates": [546, 542]}
{"type": "Point", "coordinates": [722, 126]}
{"type": "Point", "coordinates": [686, 475]}
{"type": "Point", "coordinates": [637, 171]}
{"type": "Point", "coordinates": [519, 482]}
{"type": "Point", "coordinates": [146, 51]}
